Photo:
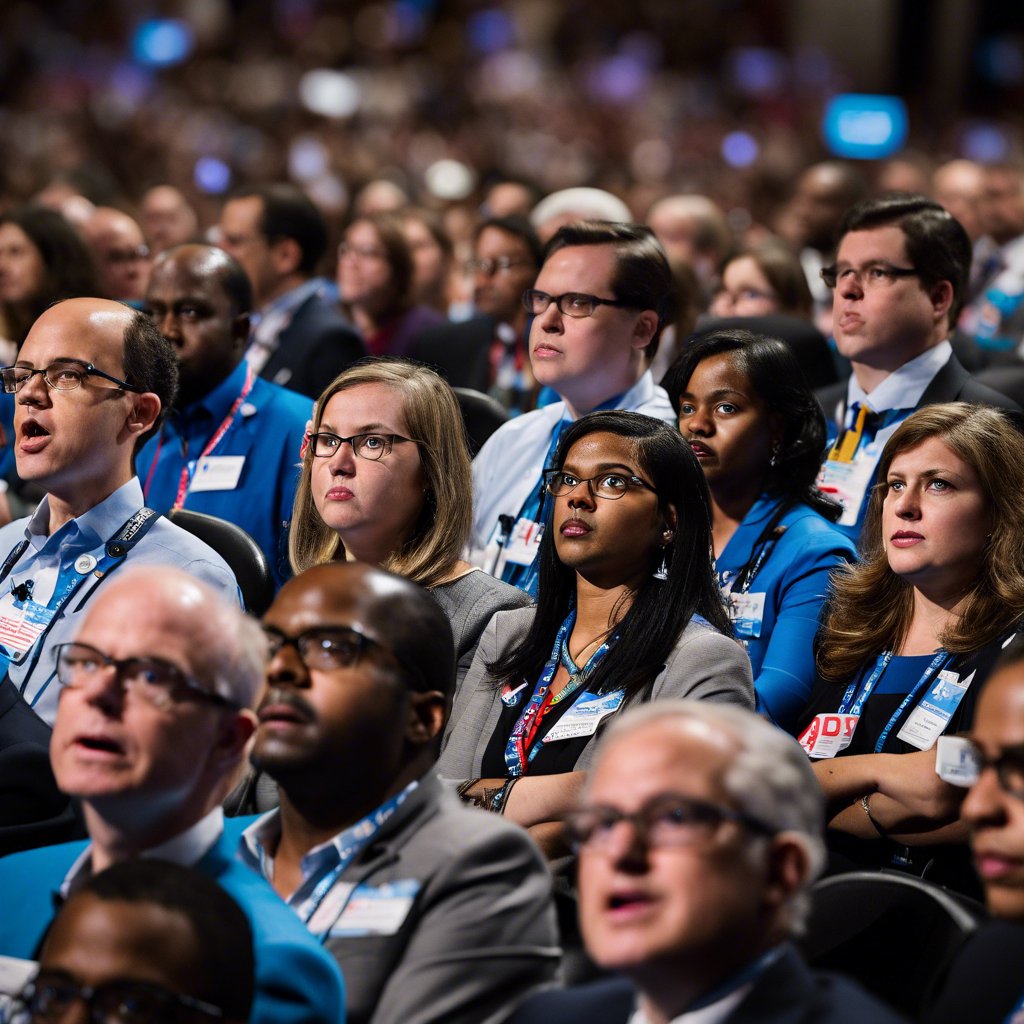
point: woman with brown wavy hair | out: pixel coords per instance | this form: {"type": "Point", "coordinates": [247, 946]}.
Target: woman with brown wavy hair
{"type": "Point", "coordinates": [911, 633]}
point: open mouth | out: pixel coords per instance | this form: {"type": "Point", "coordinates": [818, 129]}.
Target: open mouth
{"type": "Point", "coordinates": [624, 901]}
{"type": "Point", "coordinates": [30, 428]}
{"type": "Point", "coordinates": [100, 744]}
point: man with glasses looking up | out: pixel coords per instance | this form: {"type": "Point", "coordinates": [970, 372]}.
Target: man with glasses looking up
{"type": "Point", "coordinates": [984, 983]}
{"type": "Point", "coordinates": [699, 833]}
{"type": "Point", "coordinates": [435, 912]}
{"type": "Point", "coordinates": [153, 720]}
{"type": "Point", "coordinates": [490, 353]}
{"type": "Point", "coordinates": [93, 380]}
{"type": "Point", "coordinates": [899, 277]}
{"type": "Point", "coordinates": [604, 293]}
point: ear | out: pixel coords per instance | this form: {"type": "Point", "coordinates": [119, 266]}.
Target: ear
{"type": "Point", "coordinates": [234, 730]}
{"type": "Point", "coordinates": [941, 297]}
{"type": "Point", "coordinates": [240, 331]}
{"type": "Point", "coordinates": [671, 518]}
{"type": "Point", "coordinates": [145, 409]}
{"type": "Point", "coordinates": [788, 868]}
{"type": "Point", "coordinates": [426, 717]}
{"type": "Point", "coordinates": [644, 329]}
{"type": "Point", "coordinates": [285, 256]}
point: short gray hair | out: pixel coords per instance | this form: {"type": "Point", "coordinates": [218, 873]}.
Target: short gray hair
{"type": "Point", "coordinates": [770, 778]}
{"type": "Point", "coordinates": [238, 671]}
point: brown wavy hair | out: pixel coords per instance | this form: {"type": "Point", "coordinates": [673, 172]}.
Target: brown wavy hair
{"type": "Point", "coordinates": [870, 607]}
{"type": "Point", "coordinates": [435, 421]}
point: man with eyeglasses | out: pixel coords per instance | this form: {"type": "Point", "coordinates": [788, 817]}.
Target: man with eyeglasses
{"type": "Point", "coordinates": [699, 833]}
{"type": "Point", "coordinates": [299, 338]}
{"type": "Point", "coordinates": [899, 278]}
{"type": "Point", "coordinates": [490, 353]}
{"type": "Point", "coordinates": [230, 447]}
{"type": "Point", "coordinates": [602, 298]}
{"type": "Point", "coordinates": [435, 912]}
{"type": "Point", "coordinates": [154, 718]}
{"type": "Point", "coordinates": [985, 983]}
{"type": "Point", "coordinates": [92, 382]}
{"type": "Point", "coordinates": [144, 942]}
{"type": "Point", "coordinates": [122, 255]}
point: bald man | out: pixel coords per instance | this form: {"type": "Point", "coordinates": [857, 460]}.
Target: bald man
{"type": "Point", "coordinates": [154, 716]}
{"type": "Point", "coordinates": [230, 447]}
{"type": "Point", "coordinates": [92, 382]}
{"type": "Point", "coordinates": [122, 256]}
{"type": "Point", "coordinates": [436, 912]}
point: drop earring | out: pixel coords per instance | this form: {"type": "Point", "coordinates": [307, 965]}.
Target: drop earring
{"type": "Point", "coordinates": [773, 461]}
{"type": "Point", "coordinates": [661, 573]}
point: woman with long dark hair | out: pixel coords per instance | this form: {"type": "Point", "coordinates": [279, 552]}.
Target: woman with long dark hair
{"type": "Point", "coordinates": [628, 610]}
{"type": "Point", "coordinates": [759, 435]}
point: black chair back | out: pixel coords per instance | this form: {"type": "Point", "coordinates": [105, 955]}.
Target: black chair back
{"type": "Point", "coordinates": [244, 556]}
{"type": "Point", "coordinates": [481, 414]}
{"type": "Point", "coordinates": [892, 932]}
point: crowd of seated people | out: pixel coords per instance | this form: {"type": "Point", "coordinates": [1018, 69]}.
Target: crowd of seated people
{"type": "Point", "coordinates": [666, 648]}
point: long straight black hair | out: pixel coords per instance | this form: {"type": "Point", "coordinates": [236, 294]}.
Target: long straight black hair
{"type": "Point", "coordinates": [660, 609]}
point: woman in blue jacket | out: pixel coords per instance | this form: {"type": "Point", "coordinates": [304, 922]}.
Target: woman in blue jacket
{"type": "Point", "coordinates": [759, 434]}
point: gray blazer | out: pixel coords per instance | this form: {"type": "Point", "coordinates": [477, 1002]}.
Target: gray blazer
{"type": "Point", "coordinates": [703, 665]}
{"type": "Point", "coordinates": [480, 933]}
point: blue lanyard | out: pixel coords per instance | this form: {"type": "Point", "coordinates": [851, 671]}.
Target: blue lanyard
{"type": "Point", "coordinates": [516, 758]}
{"type": "Point", "coordinates": [941, 658]}
{"type": "Point", "coordinates": [114, 553]}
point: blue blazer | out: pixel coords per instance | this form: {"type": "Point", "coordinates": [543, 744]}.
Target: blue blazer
{"type": "Point", "coordinates": [794, 581]}
{"type": "Point", "coordinates": [297, 982]}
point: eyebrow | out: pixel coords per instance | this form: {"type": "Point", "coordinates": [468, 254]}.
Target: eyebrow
{"type": "Point", "coordinates": [602, 467]}
{"type": "Point", "coordinates": [929, 474]}
{"type": "Point", "coordinates": [717, 393]}
{"type": "Point", "coordinates": [369, 428]}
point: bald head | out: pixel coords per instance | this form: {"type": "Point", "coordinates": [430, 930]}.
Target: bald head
{"type": "Point", "coordinates": [693, 231]}
{"type": "Point", "coordinates": [959, 186]}
{"type": "Point", "coordinates": [121, 253]}
{"type": "Point", "coordinates": [398, 614]}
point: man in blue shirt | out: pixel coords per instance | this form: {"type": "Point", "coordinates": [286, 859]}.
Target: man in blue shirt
{"type": "Point", "coordinates": [230, 447]}
{"type": "Point", "coordinates": [153, 720]}
{"type": "Point", "coordinates": [92, 381]}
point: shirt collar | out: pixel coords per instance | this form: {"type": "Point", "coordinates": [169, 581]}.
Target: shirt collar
{"type": "Point", "coordinates": [258, 843]}
{"type": "Point", "coordinates": [903, 388]}
{"type": "Point", "coordinates": [93, 527]}
{"type": "Point", "coordinates": [290, 301]}
{"type": "Point", "coordinates": [185, 848]}
{"type": "Point", "coordinates": [218, 401]}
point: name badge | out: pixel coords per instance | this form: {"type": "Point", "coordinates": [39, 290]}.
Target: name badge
{"type": "Point", "coordinates": [956, 761]}
{"type": "Point", "coordinates": [377, 909]}
{"type": "Point", "coordinates": [524, 542]}
{"type": "Point", "coordinates": [746, 612]}
{"type": "Point", "coordinates": [828, 734]}
{"type": "Point", "coordinates": [21, 623]}
{"type": "Point", "coordinates": [217, 473]}
{"type": "Point", "coordinates": [847, 483]}
{"type": "Point", "coordinates": [931, 716]}
{"type": "Point", "coordinates": [583, 718]}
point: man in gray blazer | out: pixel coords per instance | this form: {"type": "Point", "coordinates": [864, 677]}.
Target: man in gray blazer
{"type": "Point", "coordinates": [435, 912]}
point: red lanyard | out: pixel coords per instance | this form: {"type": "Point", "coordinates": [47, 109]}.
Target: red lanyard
{"type": "Point", "coordinates": [186, 477]}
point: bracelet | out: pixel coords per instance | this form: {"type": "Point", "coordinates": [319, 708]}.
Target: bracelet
{"type": "Point", "coordinates": [500, 801]}
{"type": "Point", "coordinates": [500, 795]}
{"type": "Point", "coordinates": [865, 803]}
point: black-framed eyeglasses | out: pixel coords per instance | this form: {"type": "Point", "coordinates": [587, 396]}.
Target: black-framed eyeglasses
{"type": "Point", "coordinates": [575, 304]}
{"type": "Point", "coordinates": [51, 994]}
{"type": "Point", "coordinates": [60, 375]}
{"type": "Point", "coordinates": [1008, 765]}
{"type": "Point", "coordinates": [870, 275]}
{"type": "Point", "coordinates": [322, 647]}
{"type": "Point", "coordinates": [324, 444]}
{"type": "Point", "coordinates": [499, 265]}
{"type": "Point", "coordinates": [669, 819]}
{"type": "Point", "coordinates": [157, 681]}
{"type": "Point", "coordinates": [606, 485]}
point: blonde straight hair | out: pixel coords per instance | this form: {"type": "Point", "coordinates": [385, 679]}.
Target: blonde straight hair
{"type": "Point", "coordinates": [435, 422]}
{"type": "Point", "coordinates": [870, 607]}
